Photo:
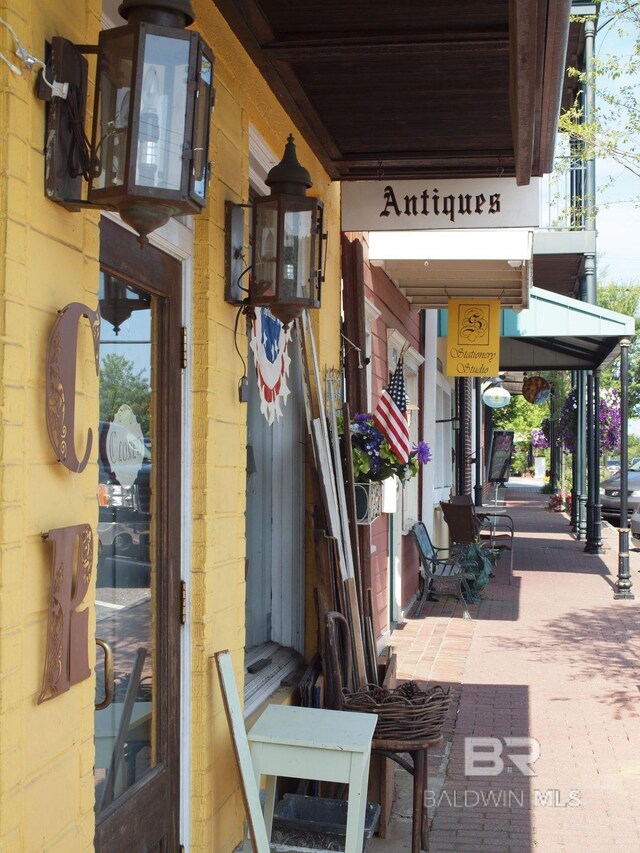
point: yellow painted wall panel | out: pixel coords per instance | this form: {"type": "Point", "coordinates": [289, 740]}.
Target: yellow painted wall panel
{"type": "Point", "coordinates": [51, 802]}
{"type": "Point", "coordinates": [48, 257]}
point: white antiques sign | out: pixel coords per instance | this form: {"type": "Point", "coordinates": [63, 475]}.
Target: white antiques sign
{"type": "Point", "coordinates": [419, 205]}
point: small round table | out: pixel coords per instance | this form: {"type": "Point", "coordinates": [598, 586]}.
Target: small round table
{"type": "Point", "coordinates": [417, 750]}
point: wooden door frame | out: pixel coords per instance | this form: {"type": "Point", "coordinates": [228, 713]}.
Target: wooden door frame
{"type": "Point", "coordinates": [159, 793]}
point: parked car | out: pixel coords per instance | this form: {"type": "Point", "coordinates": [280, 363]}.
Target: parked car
{"type": "Point", "coordinates": [612, 466]}
{"type": "Point", "coordinates": [635, 526]}
{"type": "Point", "coordinates": [610, 492]}
{"type": "Point", "coordinates": [123, 517]}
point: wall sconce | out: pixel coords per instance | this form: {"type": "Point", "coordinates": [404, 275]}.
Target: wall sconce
{"type": "Point", "coordinates": [287, 265]}
{"type": "Point", "coordinates": [148, 156]}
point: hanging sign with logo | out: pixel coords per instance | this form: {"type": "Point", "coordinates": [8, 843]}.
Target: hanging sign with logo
{"type": "Point", "coordinates": [473, 340]}
{"type": "Point", "coordinates": [269, 341]}
{"type": "Point", "coordinates": [454, 203]}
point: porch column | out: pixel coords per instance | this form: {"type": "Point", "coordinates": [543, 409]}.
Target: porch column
{"type": "Point", "coordinates": [591, 463]}
{"type": "Point", "coordinates": [624, 583]}
{"type": "Point", "coordinates": [597, 506]}
{"type": "Point", "coordinates": [573, 521]}
{"type": "Point", "coordinates": [553, 456]}
{"type": "Point", "coordinates": [582, 458]}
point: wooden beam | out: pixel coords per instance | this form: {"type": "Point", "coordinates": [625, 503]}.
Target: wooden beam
{"type": "Point", "coordinates": [345, 47]}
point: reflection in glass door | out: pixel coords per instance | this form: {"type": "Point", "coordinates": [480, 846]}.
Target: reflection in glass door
{"type": "Point", "coordinates": [125, 596]}
{"type": "Point", "coordinates": [138, 569]}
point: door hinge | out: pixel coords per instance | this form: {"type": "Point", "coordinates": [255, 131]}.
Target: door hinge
{"type": "Point", "coordinates": [183, 602]}
{"type": "Point", "coordinates": [184, 347]}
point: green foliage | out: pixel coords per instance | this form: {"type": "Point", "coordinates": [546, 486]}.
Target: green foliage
{"type": "Point", "coordinates": [120, 384]}
{"type": "Point", "coordinates": [613, 130]}
{"type": "Point", "coordinates": [625, 299]}
{"type": "Point", "coordinates": [520, 416]}
{"type": "Point", "coordinates": [480, 561]}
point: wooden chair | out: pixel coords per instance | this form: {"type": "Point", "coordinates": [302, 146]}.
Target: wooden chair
{"type": "Point", "coordinates": [466, 525]}
{"type": "Point", "coordinates": [287, 741]}
{"type": "Point", "coordinates": [337, 654]}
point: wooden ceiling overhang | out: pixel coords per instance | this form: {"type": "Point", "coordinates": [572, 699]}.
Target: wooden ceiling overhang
{"type": "Point", "coordinates": [406, 89]}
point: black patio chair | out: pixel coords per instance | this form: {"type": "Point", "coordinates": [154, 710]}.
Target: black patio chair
{"type": "Point", "coordinates": [467, 525]}
{"type": "Point", "coordinates": [442, 570]}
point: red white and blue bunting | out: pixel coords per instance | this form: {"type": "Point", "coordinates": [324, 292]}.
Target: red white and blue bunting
{"type": "Point", "coordinates": [269, 343]}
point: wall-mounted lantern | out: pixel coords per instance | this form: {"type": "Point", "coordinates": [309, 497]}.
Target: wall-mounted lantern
{"type": "Point", "coordinates": [287, 264]}
{"type": "Point", "coordinates": [148, 157]}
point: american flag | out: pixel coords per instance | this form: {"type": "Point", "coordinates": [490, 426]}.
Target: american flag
{"type": "Point", "coordinates": [390, 415]}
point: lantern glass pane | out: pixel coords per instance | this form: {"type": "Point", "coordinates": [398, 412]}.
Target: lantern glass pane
{"type": "Point", "coordinates": [296, 258]}
{"type": "Point", "coordinates": [265, 249]}
{"type": "Point", "coordinates": [201, 127]}
{"type": "Point", "coordinates": [112, 130]}
{"type": "Point", "coordinates": [163, 107]}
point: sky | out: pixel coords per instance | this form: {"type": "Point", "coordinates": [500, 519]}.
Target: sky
{"type": "Point", "coordinates": [618, 220]}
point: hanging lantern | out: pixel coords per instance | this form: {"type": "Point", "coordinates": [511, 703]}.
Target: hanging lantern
{"type": "Point", "coordinates": [287, 242]}
{"type": "Point", "coordinates": [496, 396]}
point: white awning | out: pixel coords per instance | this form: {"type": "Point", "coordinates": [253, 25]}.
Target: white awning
{"type": "Point", "coordinates": [431, 267]}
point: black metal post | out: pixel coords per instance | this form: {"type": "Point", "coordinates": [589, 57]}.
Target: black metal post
{"type": "Point", "coordinates": [573, 521]}
{"type": "Point", "coordinates": [478, 440]}
{"type": "Point", "coordinates": [579, 458]}
{"type": "Point", "coordinates": [582, 460]}
{"type": "Point", "coordinates": [553, 456]}
{"type": "Point", "coordinates": [591, 464]}
{"type": "Point", "coordinates": [624, 584]}
{"type": "Point", "coordinates": [597, 506]}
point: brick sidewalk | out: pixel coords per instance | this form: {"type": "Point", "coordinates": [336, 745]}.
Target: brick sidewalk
{"type": "Point", "coordinates": [552, 657]}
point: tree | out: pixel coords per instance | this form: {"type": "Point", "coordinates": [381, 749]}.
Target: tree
{"type": "Point", "coordinates": [625, 299]}
{"type": "Point", "coordinates": [119, 385]}
{"type": "Point", "coordinates": [613, 131]}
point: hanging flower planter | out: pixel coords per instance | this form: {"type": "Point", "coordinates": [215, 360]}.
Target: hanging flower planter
{"type": "Point", "coordinates": [368, 502]}
{"type": "Point", "coordinates": [374, 462]}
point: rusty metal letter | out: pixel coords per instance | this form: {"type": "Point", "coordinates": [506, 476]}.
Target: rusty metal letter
{"type": "Point", "coordinates": [67, 657]}
{"type": "Point", "coordinates": [61, 382]}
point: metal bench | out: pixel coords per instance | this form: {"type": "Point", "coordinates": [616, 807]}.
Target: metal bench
{"type": "Point", "coordinates": [442, 570]}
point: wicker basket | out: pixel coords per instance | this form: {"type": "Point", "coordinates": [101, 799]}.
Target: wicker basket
{"type": "Point", "coordinates": [406, 712]}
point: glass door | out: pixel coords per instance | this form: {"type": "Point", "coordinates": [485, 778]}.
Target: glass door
{"type": "Point", "coordinates": [138, 573]}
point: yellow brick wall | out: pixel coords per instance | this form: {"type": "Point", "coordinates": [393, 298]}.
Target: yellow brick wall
{"type": "Point", "coordinates": [48, 258]}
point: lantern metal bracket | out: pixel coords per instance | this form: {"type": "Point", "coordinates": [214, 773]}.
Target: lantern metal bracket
{"type": "Point", "coordinates": [66, 64]}
{"type": "Point", "coordinates": [234, 254]}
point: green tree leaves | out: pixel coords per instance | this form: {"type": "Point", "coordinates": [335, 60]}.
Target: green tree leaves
{"type": "Point", "coordinates": [120, 384]}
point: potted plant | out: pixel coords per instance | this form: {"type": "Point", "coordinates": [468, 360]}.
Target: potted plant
{"type": "Point", "coordinates": [481, 561]}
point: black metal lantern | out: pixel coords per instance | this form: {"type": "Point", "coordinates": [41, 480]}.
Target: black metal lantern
{"type": "Point", "coordinates": [153, 98]}
{"type": "Point", "coordinates": [154, 95]}
{"type": "Point", "coordinates": [287, 242]}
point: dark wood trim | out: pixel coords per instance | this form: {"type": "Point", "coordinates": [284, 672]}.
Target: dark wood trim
{"type": "Point", "coordinates": [316, 50]}
{"type": "Point", "coordinates": [148, 814]}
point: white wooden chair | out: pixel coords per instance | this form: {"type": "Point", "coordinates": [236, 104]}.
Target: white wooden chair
{"type": "Point", "coordinates": [307, 743]}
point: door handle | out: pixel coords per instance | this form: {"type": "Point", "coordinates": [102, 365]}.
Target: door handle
{"type": "Point", "coordinates": [108, 675]}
